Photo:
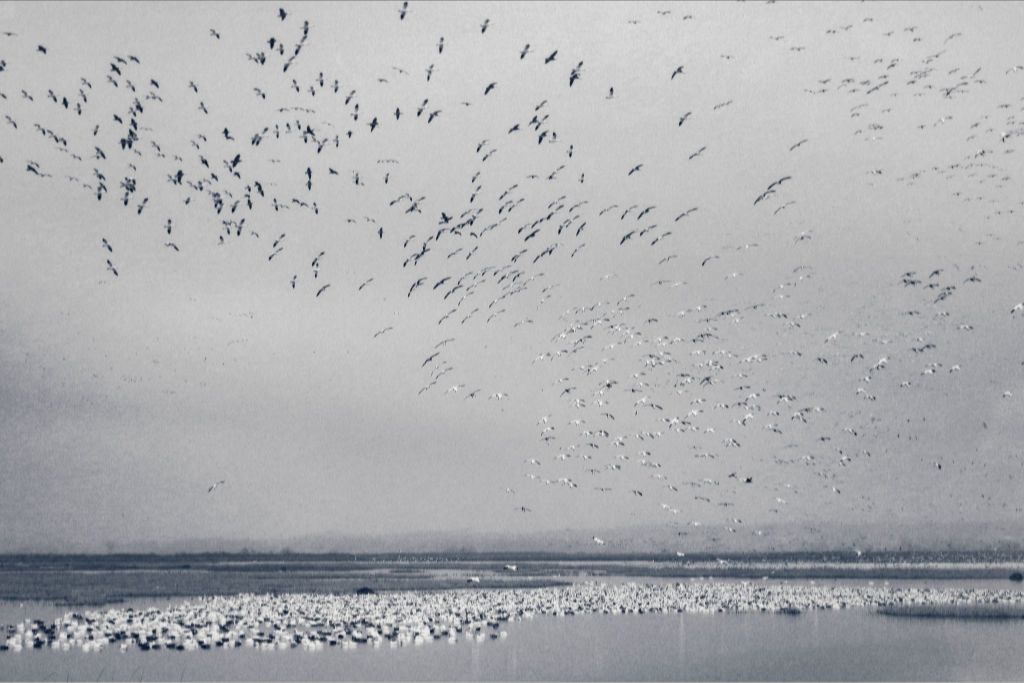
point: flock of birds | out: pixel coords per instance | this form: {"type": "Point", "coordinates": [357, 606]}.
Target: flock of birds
{"type": "Point", "coordinates": [675, 387]}
{"type": "Point", "coordinates": [315, 622]}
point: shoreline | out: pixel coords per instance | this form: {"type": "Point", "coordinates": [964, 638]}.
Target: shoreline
{"type": "Point", "coordinates": [89, 582]}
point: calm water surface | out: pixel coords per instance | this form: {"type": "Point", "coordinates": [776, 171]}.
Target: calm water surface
{"type": "Point", "coordinates": [820, 645]}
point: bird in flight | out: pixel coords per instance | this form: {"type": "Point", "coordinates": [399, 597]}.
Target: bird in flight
{"type": "Point", "coordinates": [215, 486]}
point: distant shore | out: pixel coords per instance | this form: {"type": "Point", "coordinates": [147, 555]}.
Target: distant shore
{"type": "Point", "coordinates": [101, 579]}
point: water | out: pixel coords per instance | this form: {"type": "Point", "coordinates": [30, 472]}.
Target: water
{"type": "Point", "coordinates": [818, 645]}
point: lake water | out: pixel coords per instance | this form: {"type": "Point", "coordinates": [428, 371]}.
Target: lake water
{"type": "Point", "coordinates": [818, 645]}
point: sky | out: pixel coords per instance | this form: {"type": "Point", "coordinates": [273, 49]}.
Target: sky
{"type": "Point", "coordinates": [766, 242]}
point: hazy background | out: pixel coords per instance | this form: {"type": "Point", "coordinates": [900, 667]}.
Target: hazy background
{"type": "Point", "coordinates": [123, 399]}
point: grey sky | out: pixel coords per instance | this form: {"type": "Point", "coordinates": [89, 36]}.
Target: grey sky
{"type": "Point", "coordinates": [122, 399]}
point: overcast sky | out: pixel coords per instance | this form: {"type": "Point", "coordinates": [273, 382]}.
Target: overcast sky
{"type": "Point", "coordinates": [856, 387]}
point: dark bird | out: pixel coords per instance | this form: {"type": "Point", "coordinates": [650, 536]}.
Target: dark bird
{"type": "Point", "coordinates": [551, 57]}
{"type": "Point", "coordinates": [575, 74]}
{"type": "Point", "coordinates": [322, 290]}
{"type": "Point", "coordinates": [416, 284]}
{"type": "Point", "coordinates": [215, 486]}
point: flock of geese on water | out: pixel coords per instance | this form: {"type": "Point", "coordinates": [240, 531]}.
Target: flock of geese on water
{"type": "Point", "coordinates": [680, 405]}
{"type": "Point", "coordinates": [315, 622]}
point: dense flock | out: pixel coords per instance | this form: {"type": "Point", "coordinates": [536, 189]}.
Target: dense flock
{"type": "Point", "coordinates": [316, 621]}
